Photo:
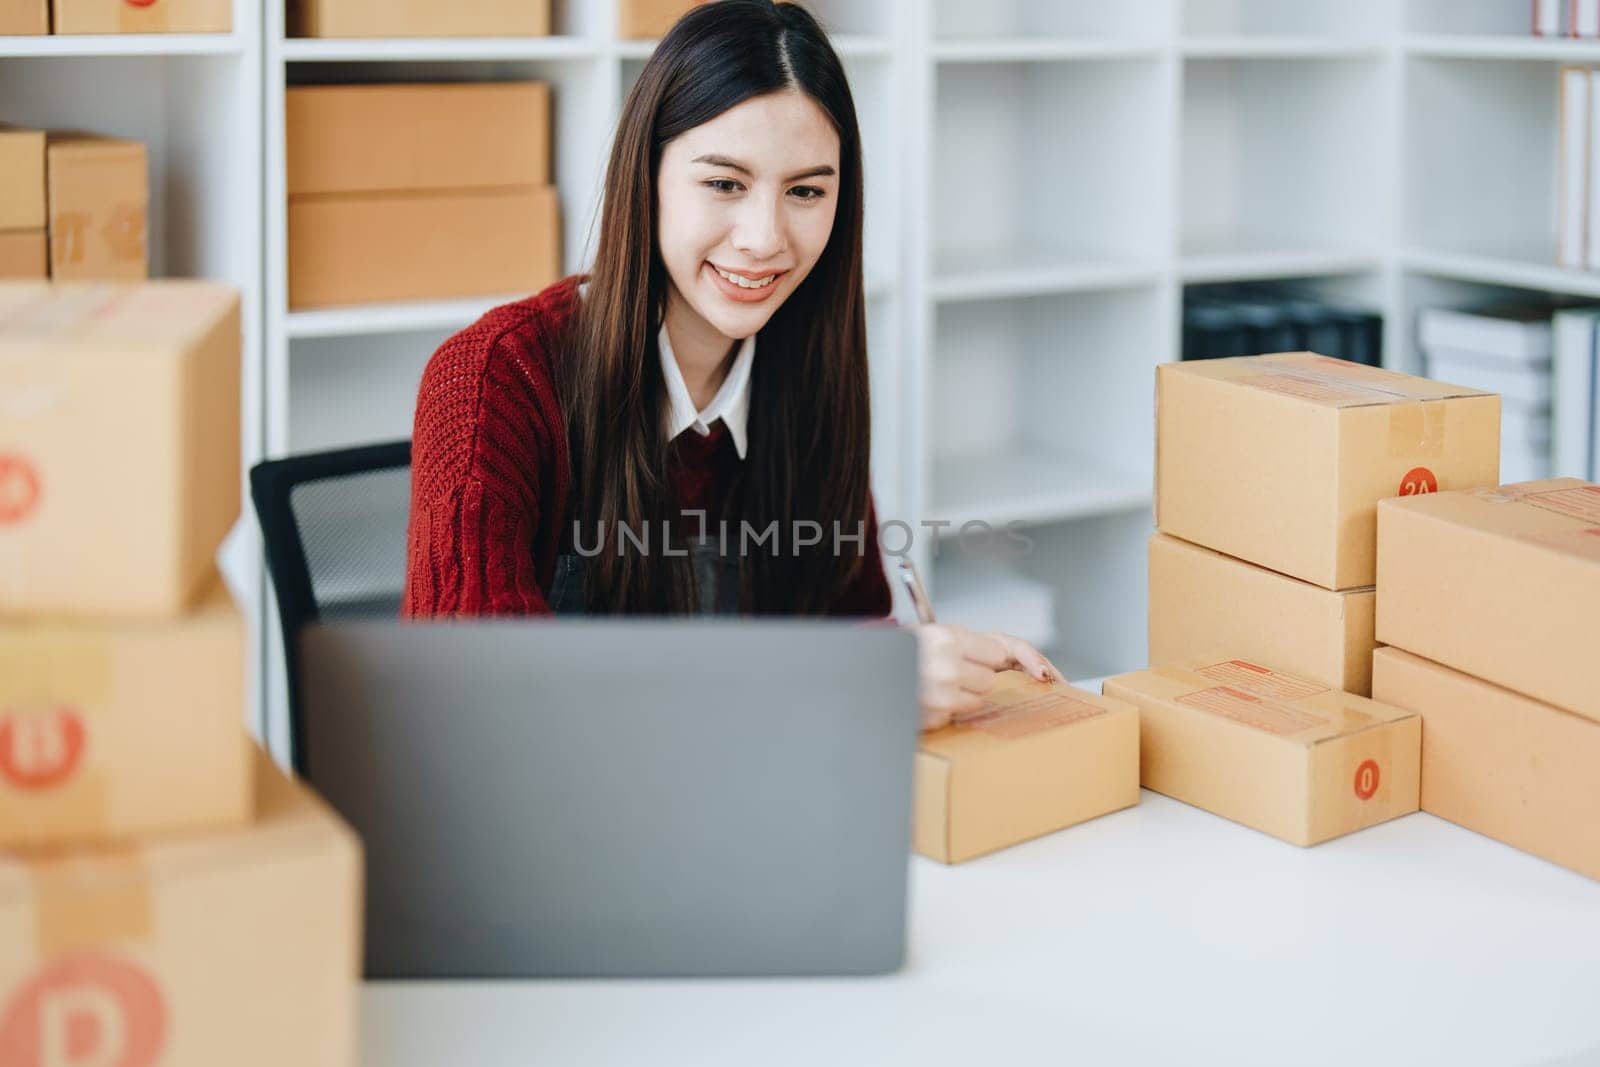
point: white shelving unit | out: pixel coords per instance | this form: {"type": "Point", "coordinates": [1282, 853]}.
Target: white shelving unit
{"type": "Point", "coordinates": [195, 100]}
{"type": "Point", "coordinates": [1045, 179]}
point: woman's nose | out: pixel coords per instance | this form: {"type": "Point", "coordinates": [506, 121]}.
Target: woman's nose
{"type": "Point", "coordinates": [759, 231]}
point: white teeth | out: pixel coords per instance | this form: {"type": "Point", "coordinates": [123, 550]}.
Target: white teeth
{"type": "Point", "coordinates": [745, 283]}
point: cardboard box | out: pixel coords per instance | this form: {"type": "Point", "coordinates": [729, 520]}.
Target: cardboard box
{"type": "Point", "coordinates": [1281, 460]}
{"type": "Point", "coordinates": [24, 18]}
{"type": "Point", "coordinates": [119, 452]}
{"type": "Point", "coordinates": [239, 947]}
{"type": "Point", "coordinates": [1503, 584]}
{"type": "Point", "coordinates": [407, 138]}
{"type": "Point", "coordinates": [651, 18]}
{"type": "Point", "coordinates": [1502, 764]}
{"type": "Point", "coordinates": [1287, 756]}
{"type": "Point", "coordinates": [24, 254]}
{"type": "Point", "coordinates": [22, 199]}
{"type": "Point", "coordinates": [1206, 607]}
{"type": "Point", "coordinates": [1039, 757]}
{"type": "Point", "coordinates": [144, 16]}
{"type": "Point", "coordinates": [420, 18]}
{"type": "Point", "coordinates": [99, 197]}
{"type": "Point", "coordinates": [108, 730]}
{"type": "Point", "coordinates": [422, 246]}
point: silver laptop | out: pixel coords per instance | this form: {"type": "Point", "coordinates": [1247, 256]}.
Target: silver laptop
{"type": "Point", "coordinates": [603, 797]}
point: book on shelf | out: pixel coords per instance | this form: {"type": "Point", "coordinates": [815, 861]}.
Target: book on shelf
{"type": "Point", "coordinates": [1573, 168]}
{"type": "Point", "coordinates": [1583, 18]}
{"type": "Point", "coordinates": [1253, 319]}
{"type": "Point", "coordinates": [1503, 348]}
{"type": "Point", "coordinates": [1547, 20]}
{"type": "Point", "coordinates": [1575, 417]}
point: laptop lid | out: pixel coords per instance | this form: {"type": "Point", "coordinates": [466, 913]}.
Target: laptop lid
{"type": "Point", "coordinates": [619, 797]}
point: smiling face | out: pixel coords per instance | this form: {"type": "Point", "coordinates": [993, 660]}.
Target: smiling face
{"type": "Point", "coordinates": [750, 195]}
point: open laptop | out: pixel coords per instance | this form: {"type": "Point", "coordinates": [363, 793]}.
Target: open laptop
{"type": "Point", "coordinates": [619, 797]}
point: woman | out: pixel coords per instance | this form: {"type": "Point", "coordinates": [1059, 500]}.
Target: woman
{"type": "Point", "coordinates": [616, 444]}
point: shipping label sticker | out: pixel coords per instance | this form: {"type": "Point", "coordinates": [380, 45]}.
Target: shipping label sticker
{"type": "Point", "coordinates": [1255, 678]}
{"type": "Point", "coordinates": [1417, 481]}
{"type": "Point", "coordinates": [1252, 709]}
{"type": "Point", "coordinates": [85, 1009]}
{"type": "Point", "coordinates": [1021, 718]}
{"type": "Point", "coordinates": [19, 488]}
{"type": "Point", "coordinates": [1579, 502]}
{"type": "Point", "coordinates": [40, 747]}
{"type": "Point", "coordinates": [1366, 781]}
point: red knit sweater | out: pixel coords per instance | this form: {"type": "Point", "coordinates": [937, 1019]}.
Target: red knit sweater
{"type": "Point", "coordinates": [490, 491]}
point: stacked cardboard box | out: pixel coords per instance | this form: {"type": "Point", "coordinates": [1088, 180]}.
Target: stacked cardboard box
{"type": "Point", "coordinates": [24, 250]}
{"type": "Point", "coordinates": [73, 206]}
{"type": "Point", "coordinates": [419, 18]}
{"type": "Point", "coordinates": [1268, 474]}
{"type": "Point", "coordinates": [650, 18]}
{"type": "Point", "coordinates": [1287, 756]}
{"type": "Point", "coordinates": [143, 16]}
{"type": "Point", "coordinates": [1490, 599]}
{"type": "Point", "coordinates": [408, 192]}
{"type": "Point", "coordinates": [163, 889]}
{"type": "Point", "coordinates": [24, 17]}
{"type": "Point", "coordinates": [1038, 757]}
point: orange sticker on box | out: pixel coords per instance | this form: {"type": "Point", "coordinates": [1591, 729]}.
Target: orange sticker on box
{"type": "Point", "coordinates": [85, 1009]}
{"type": "Point", "coordinates": [1243, 674]}
{"type": "Point", "coordinates": [40, 747]}
{"type": "Point", "coordinates": [1366, 783]}
{"type": "Point", "coordinates": [19, 488]}
{"type": "Point", "coordinates": [1417, 481]}
{"type": "Point", "coordinates": [1251, 709]}
{"type": "Point", "coordinates": [1024, 717]}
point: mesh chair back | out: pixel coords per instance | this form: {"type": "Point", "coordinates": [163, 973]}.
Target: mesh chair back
{"type": "Point", "coordinates": [333, 525]}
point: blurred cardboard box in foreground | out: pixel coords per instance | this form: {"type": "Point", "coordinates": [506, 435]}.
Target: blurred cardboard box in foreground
{"type": "Point", "coordinates": [119, 445]}
{"type": "Point", "coordinates": [238, 947]}
{"type": "Point", "coordinates": [109, 730]}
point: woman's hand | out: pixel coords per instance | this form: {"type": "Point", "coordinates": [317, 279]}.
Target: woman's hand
{"type": "Point", "coordinates": [957, 666]}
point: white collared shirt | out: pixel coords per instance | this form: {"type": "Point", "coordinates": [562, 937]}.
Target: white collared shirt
{"type": "Point", "coordinates": [731, 404]}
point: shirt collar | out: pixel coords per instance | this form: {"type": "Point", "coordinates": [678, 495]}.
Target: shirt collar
{"type": "Point", "coordinates": [731, 404]}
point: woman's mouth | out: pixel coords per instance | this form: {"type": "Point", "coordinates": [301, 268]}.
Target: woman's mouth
{"type": "Point", "coordinates": [741, 288]}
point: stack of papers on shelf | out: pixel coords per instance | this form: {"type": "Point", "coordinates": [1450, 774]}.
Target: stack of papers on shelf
{"type": "Point", "coordinates": [1505, 349]}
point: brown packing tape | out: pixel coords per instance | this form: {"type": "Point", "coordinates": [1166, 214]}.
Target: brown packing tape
{"type": "Point", "coordinates": [54, 684]}
{"type": "Point", "coordinates": [88, 897]}
{"type": "Point", "coordinates": [1417, 430]}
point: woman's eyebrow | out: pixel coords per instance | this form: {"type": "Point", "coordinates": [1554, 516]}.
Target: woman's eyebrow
{"type": "Point", "coordinates": [733, 164]}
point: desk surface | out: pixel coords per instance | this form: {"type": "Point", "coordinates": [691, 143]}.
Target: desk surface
{"type": "Point", "coordinates": [1157, 934]}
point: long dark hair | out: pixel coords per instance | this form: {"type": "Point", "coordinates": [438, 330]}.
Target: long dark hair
{"type": "Point", "coordinates": [808, 444]}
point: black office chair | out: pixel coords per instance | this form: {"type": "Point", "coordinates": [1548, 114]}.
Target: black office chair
{"type": "Point", "coordinates": [334, 528]}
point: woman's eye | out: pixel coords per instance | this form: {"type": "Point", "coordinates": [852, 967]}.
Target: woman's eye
{"type": "Point", "coordinates": [723, 185]}
{"type": "Point", "coordinates": [811, 192]}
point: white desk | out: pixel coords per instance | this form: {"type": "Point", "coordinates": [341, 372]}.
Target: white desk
{"type": "Point", "coordinates": [1160, 934]}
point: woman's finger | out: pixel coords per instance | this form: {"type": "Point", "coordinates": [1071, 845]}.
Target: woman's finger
{"type": "Point", "coordinates": [985, 649]}
{"type": "Point", "coordinates": [1030, 659]}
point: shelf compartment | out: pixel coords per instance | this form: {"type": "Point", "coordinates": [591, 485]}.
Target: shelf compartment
{"type": "Point", "coordinates": [1012, 431]}
{"type": "Point", "coordinates": [1281, 155]}
{"type": "Point", "coordinates": [1009, 180]}
{"type": "Point", "coordinates": [1480, 175]}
